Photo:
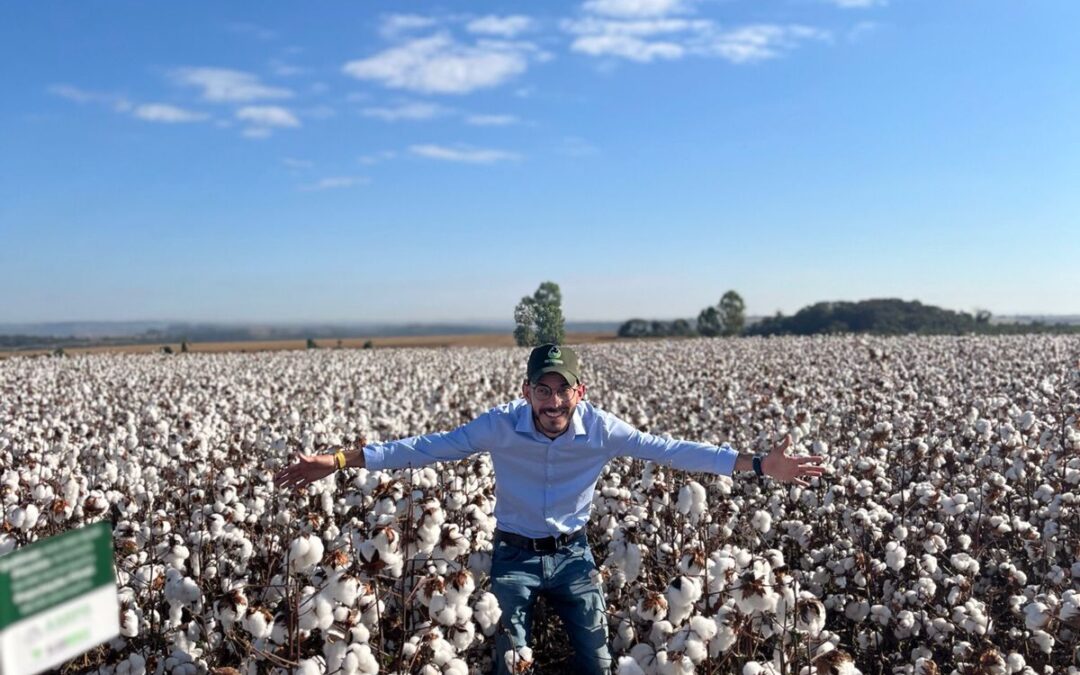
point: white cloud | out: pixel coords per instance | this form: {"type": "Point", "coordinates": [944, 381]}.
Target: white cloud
{"type": "Point", "coordinates": [491, 120]}
{"type": "Point", "coordinates": [294, 163]}
{"type": "Point", "coordinates": [858, 4]}
{"type": "Point", "coordinates": [627, 47]}
{"type": "Point", "coordinates": [395, 24]}
{"type": "Point", "coordinates": [762, 41]}
{"type": "Point", "coordinates": [439, 65]}
{"type": "Point", "coordinates": [267, 116]}
{"type": "Point", "coordinates": [114, 101]}
{"type": "Point", "coordinates": [163, 112]}
{"type": "Point", "coordinates": [634, 8]}
{"type": "Point", "coordinates": [224, 85]}
{"type": "Point", "coordinates": [406, 111]}
{"type": "Point", "coordinates": [334, 183]}
{"type": "Point", "coordinates": [504, 26]}
{"type": "Point", "coordinates": [465, 154]}
{"type": "Point", "coordinates": [646, 40]}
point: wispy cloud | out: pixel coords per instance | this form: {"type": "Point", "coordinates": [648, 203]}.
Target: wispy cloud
{"type": "Point", "coordinates": [264, 119]}
{"type": "Point", "coordinates": [412, 111]}
{"type": "Point", "coordinates": [225, 85]}
{"type": "Point", "coordinates": [440, 65]}
{"type": "Point", "coordinates": [334, 183]}
{"type": "Point", "coordinates": [646, 40]}
{"type": "Point", "coordinates": [464, 154]}
{"type": "Point", "coordinates": [268, 116]}
{"type": "Point", "coordinates": [294, 163]}
{"type": "Point", "coordinates": [169, 114]}
{"type": "Point", "coordinates": [762, 41]}
{"type": "Point", "coordinates": [635, 8]}
{"type": "Point", "coordinates": [503, 26]}
{"type": "Point", "coordinates": [491, 120]}
{"type": "Point", "coordinates": [394, 25]}
{"type": "Point", "coordinates": [857, 4]}
{"type": "Point", "coordinates": [71, 93]}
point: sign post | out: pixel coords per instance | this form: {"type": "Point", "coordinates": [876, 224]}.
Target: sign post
{"type": "Point", "coordinates": [57, 599]}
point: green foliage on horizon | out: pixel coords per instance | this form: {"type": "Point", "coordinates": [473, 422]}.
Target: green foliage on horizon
{"type": "Point", "coordinates": [538, 318]}
{"type": "Point", "coordinates": [891, 316]}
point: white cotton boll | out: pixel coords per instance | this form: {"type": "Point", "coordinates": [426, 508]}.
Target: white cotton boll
{"type": "Point", "coordinates": [895, 555]}
{"type": "Point", "coordinates": [1015, 662]}
{"type": "Point", "coordinates": [762, 521]}
{"type": "Point", "coordinates": [486, 611]}
{"type": "Point", "coordinates": [964, 563]}
{"type": "Point", "coordinates": [681, 595]}
{"type": "Point", "coordinates": [258, 622]}
{"type": "Point", "coordinates": [645, 656]}
{"type": "Point", "coordinates": [129, 623]}
{"type": "Point", "coordinates": [519, 660]}
{"type": "Point", "coordinates": [691, 502]}
{"type": "Point", "coordinates": [628, 666]}
{"type": "Point", "coordinates": [809, 614]}
{"type": "Point", "coordinates": [653, 607]}
{"type": "Point", "coordinates": [857, 610]}
{"type": "Point", "coordinates": [659, 633]}
{"type": "Point", "coordinates": [312, 666]}
{"type": "Point", "coordinates": [1037, 615]}
{"type": "Point", "coordinates": [674, 664]}
{"type": "Point", "coordinates": [1043, 640]}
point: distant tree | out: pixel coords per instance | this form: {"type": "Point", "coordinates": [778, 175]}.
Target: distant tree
{"type": "Point", "coordinates": [167, 349]}
{"type": "Point", "coordinates": [681, 328]}
{"type": "Point", "coordinates": [311, 344]}
{"type": "Point", "coordinates": [634, 328]}
{"type": "Point", "coordinates": [983, 316]}
{"type": "Point", "coordinates": [732, 313]}
{"type": "Point", "coordinates": [708, 322]}
{"type": "Point", "coordinates": [539, 319]}
{"type": "Point", "coordinates": [183, 347]}
{"type": "Point", "coordinates": [368, 344]}
{"type": "Point", "coordinates": [339, 343]}
{"type": "Point", "coordinates": [525, 323]}
{"type": "Point", "coordinates": [59, 351]}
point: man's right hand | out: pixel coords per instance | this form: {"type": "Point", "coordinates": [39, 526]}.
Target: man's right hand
{"type": "Point", "coordinates": [307, 470]}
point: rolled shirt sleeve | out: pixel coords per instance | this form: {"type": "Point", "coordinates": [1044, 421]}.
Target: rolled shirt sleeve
{"type": "Point", "coordinates": [626, 441]}
{"type": "Point", "coordinates": [447, 446]}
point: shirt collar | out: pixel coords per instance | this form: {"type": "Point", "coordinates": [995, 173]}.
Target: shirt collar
{"type": "Point", "coordinates": [526, 425]}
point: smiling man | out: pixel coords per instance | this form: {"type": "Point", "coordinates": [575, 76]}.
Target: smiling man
{"type": "Point", "coordinates": [548, 449]}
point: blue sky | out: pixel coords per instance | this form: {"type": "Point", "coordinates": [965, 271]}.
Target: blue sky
{"type": "Point", "coordinates": [391, 161]}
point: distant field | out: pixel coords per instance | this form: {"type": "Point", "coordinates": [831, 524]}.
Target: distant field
{"type": "Point", "coordinates": [469, 340]}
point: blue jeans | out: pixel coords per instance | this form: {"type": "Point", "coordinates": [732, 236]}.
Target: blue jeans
{"type": "Point", "coordinates": [519, 576]}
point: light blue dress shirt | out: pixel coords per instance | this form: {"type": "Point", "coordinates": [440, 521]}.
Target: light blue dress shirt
{"type": "Point", "coordinates": [544, 486]}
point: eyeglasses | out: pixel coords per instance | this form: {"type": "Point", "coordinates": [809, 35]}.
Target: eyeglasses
{"type": "Point", "coordinates": [542, 392]}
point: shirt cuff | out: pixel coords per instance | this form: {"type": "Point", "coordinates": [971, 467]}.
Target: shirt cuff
{"type": "Point", "coordinates": [373, 458]}
{"type": "Point", "coordinates": [725, 460]}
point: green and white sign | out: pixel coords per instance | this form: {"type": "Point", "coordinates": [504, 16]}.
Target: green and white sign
{"type": "Point", "coordinates": [57, 599]}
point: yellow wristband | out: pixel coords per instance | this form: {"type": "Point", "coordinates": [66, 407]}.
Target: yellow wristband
{"type": "Point", "coordinates": [340, 457]}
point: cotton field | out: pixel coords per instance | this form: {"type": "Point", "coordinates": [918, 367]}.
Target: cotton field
{"type": "Point", "coordinates": [944, 538]}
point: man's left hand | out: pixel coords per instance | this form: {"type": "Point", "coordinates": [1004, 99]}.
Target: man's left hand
{"type": "Point", "coordinates": [782, 466]}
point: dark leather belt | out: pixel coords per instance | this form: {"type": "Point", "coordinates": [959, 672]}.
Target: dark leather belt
{"type": "Point", "coordinates": [543, 545]}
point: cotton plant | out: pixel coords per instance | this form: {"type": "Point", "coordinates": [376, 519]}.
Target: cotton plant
{"type": "Point", "coordinates": [946, 523]}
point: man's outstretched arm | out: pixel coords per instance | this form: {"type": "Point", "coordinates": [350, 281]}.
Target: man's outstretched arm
{"type": "Point", "coordinates": [415, 451]}
{"type": "Point", "coordinates": [782, 466]}
{"type": "Point", "coordinates": [692, 456]}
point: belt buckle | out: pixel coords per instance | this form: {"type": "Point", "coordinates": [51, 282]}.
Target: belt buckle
{"type": "Point", "coordinates": [541, 545]}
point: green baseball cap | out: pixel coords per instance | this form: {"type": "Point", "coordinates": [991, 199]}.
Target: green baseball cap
{"type": "Point", "coordinates": [552, 358]}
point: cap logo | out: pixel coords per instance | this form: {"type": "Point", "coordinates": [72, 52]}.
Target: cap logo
{"type": "Point", "coordinates": [554, 355]}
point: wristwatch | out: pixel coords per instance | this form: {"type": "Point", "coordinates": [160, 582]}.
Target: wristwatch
{"type": "Point", "coordinates": [757, 465]}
